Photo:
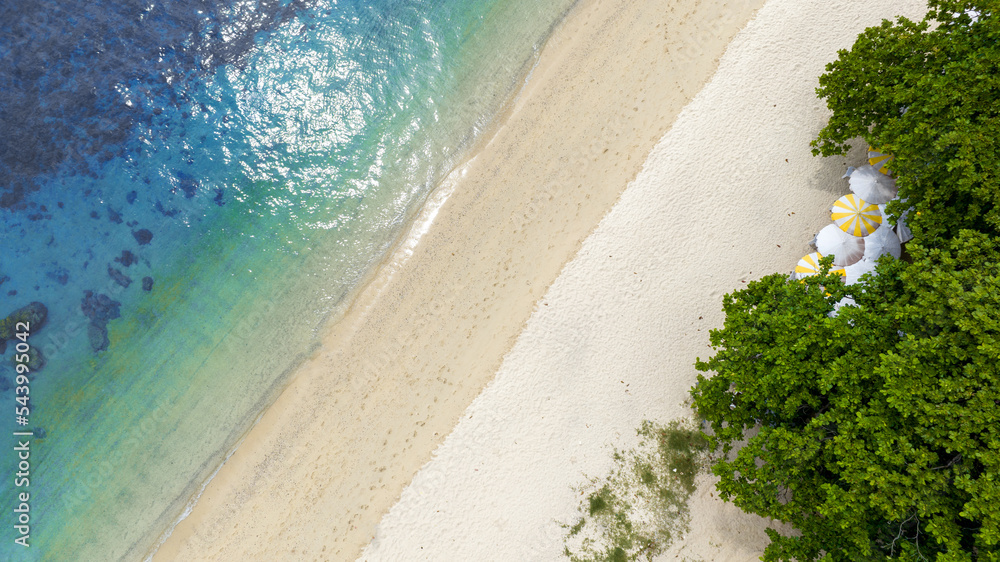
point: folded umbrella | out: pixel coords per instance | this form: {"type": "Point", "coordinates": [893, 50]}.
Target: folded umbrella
{"type": "Point", "coordinates": [902, 231]}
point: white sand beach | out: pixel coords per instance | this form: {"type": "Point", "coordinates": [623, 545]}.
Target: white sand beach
{"type": "Point", "coordinates": [729, 194]}
{"type": "Point", "coordinates": [579, 349]}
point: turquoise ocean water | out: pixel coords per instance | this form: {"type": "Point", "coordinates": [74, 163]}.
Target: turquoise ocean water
{"type": "Point", "coordinates": [191, 189]}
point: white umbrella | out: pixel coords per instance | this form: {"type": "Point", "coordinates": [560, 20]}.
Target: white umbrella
{"type": "Point", "coordinates": [846, 301]}
{"type": "Point", "coordinates": [846, 249]}
{"type": "Point", "coordinates": [871, 185]}
{"type": "Point", "coordinates": [854, 272]}
{"type": "Point", "coordinates": [882, 241]}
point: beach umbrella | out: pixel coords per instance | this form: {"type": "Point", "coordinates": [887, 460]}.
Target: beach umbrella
{"type": "Point", "coordinates": [846, 249]}
{"type": "Point", "coordinates": [855, 271]}
{"type": "Point", "coordinates": [878, 159]}
{"type": "Point", "coordinates": [882, 241]}
{"type": "Point", "coordinates": [855, 216]}
{"type": "Point", "coordinates": [903, 231]}
{"type": "Point", "coordinates": [846, 301]}
{"type": "Point", "coordinates": [870, 185]}
{"type": "Point", "coordinates": [809, 265]}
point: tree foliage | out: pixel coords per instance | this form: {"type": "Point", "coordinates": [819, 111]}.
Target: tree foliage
{"type": "Point", "coordinates": [927, 92]}
{"type": "Point", "coordinates": [878, 429]}
{"type": "Point", "coordinates": [875, 431]}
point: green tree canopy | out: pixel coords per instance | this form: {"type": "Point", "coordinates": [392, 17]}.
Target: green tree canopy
{"type": "Point", "coordinates": [875, 432]}
{"type": "Point", "coordinates": [928, 93]}
{"type": "Point", "coordinates": [878, 429]}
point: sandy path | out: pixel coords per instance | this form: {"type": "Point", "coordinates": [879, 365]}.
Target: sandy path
{"type": "Point", "coordinates": [332, 455]}
{"type": "Point", "coordinates": [730, 193]}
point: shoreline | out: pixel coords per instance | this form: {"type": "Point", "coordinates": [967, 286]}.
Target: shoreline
{"type": "Point", "coordinates": [391, 338]}
{"type": "Point", "coordinates": [729, 194]}
{"type": "Point", "coordinates": [399, 251]}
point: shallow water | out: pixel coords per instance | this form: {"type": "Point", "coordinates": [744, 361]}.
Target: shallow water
{"type": "Point", "coordinates": [253, 160]}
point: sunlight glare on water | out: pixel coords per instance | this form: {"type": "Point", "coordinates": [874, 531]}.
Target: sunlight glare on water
{"type": "Point", "coordinates": [191, 188]}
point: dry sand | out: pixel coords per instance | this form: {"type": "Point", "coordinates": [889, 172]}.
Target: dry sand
{"type": "Point", "coordinates": [332, 455]}
{"type": "Point", "coordinates": [729, 194]}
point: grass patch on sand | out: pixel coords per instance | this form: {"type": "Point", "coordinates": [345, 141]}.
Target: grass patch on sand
{"type": "Point", "coordinates": [637, 509]}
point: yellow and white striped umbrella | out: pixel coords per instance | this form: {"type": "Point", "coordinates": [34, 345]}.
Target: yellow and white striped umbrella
{"type": "Point", "coordinates": [809, 265]}
{"type": "Point", "coordinates": [879, 160]}
{"type": "Point", "coordinates": [855, 216]}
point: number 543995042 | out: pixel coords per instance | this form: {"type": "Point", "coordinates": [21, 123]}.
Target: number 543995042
{"type": "Point", "coordinates": [21, 360]}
